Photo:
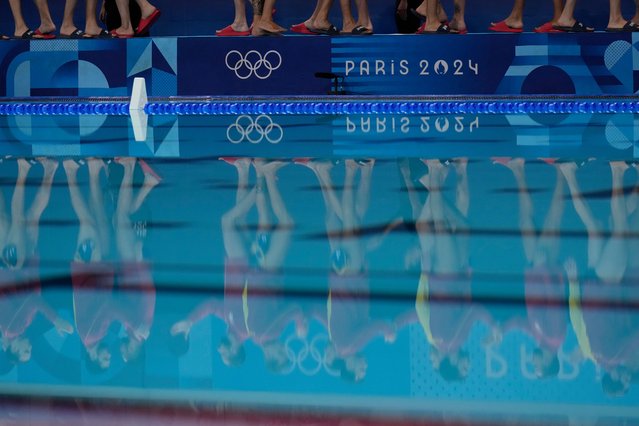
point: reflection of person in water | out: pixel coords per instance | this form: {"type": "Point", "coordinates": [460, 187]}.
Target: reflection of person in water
{"type": "Point", "coordinates": [347, 316]}
{"type": "Point", "coordinates": [607, 334]}
{"type": "Point", "coordinates": [96, 304]}
{"type": "Point", "coordinates": [443, 237]}
{"type": "Point", "coordinates": [20, 297]}
{"type": "Point", "coordinates": [545, 287]}
{"type": "Point", "coordinates": [253, 306]}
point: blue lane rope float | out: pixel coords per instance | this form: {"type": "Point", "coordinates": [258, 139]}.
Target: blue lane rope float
{"type": "Point", "coordinates": [329, 108]}
{"type": "Point", "coordinates": [382, 108]}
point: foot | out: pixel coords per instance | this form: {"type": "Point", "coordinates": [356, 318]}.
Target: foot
{"type": "Point", "coordinates": [49, 165]}
{"type": "Point", "coordinates": [516, 23]}
{"type": "Point", "coordinates": [123, 31]}
{"type": "Point", "coordinates": [95, 165]}
{"type": "Point", "coordinates": [268, 27]}
{"type": "Point", "coordinates": [47, 28]}
{"type": "Point", "coordinates": [458, 25]}
{"type": "Point", "coordinates": [267, 167]}
{"type": "Point", "coordinates": [70, 166]}
{"type": "Point", "coordinates": [23, 165]}
{"type": "Point", "coordinates": [617, 23]}
{"type": "Point", "coordinates": [148, 10]}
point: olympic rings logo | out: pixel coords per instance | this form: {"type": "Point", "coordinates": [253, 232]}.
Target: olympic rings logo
{"type": "Point", "coordinates": [308, 357]}
{"type": "Point", "coordinates": [253, 63]}
{"type": "Point", "coordinates": [254, 130]}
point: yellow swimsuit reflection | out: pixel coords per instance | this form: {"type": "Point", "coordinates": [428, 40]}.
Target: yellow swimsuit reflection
{"type": "Point", "coordinates": [254, 307]}
{"type": "Point", "coordinates": [20, 290]}
{"type": "Point", "coordinates": [107, 290]}
{"type": "Point", "coordinates": [443, 305]}
{"type": "Point", "coordinates": [603, 306]}
{"type": "Point", "coordinates": [346, 315]}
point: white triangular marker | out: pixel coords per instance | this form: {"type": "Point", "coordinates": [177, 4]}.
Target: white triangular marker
{"type": "Point", "coordinates": [138, 95]}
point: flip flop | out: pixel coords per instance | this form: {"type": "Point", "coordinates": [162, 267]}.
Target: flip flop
{"type": "Point", "coordinates": [146, 23]}
{"type": "Point", "coordinates": [630, 27]}
{"type": "Point", "coordinates": [101, 34]}
{"type": "Point", "coordinates": [578, 27]}
{"type": "Point", "coordinates": [147, 170]}
{"type": "Point", "coordinates": [43, 36]}
{"type": "Point", "coordinates": [546, 28]}
{"type": "Point", "coordinates": [442, 29]}
{"type": "Point", "coordinates": [302, 29]}
{"type": "Point", "coordinates": [361, 30]}
{"type": "Point", "coordinates": [76, 34]}
{"type": "Point", "coordinates": [27, 35]}
{"type": "Point", "coordinates": [331, 30]}
{"type": "Point", "coordinates": [503, 27]}
{"type": "Point", "coordinates": [230, 32]}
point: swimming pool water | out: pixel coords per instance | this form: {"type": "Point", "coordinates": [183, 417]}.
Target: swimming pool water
{"type": "Point", "coordinates": [425, 264]}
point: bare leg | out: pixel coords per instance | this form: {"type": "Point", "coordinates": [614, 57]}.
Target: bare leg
{"type": "Point", "coordinates": [87, 231]}
{"type": "Point", "coordinates": [459, 18]}
{"type": "Point", "coordinates": [239, 22]}
{"type": "Point", "coordinates": [557, 8]}
{"type": "Point", "coordinates": [4, 221]}
{"type": "Point", "coordinates": [126, 27]}
{"type": "Point", "coordinates": [266, 24]}
{"type": "Point", "coordinates": [547, 251]}
{"type": "Point", "coordinates": [319, 19]}
{"type": "Point", "coordinates": [516, 17]}
{"type": "Point", "coordinates": [244, 201]}
{"type": "Point", "coordinates": [447, 258]}
{"type": "Point", "coordinates": [615, 19]}
{"type": "Point", "coordinates": [91, 26]}
{"type": "Point", "coordinates": [363, 17]}
{"type": "Point", "coordinates": [526, 223]}
{"type": "Point", "coordinates": [364, 189]}
{"type": "Point", "coordinates": [17, 230]}
{"type": "Point", "coordinates": [567, 18]}
{"type": "Point", "coordinates": [46, 22]}
{"type": "Point", "coordinates": [18, 19]}
{"type": "Point", "coordinates": [40, 202]}
{"type": "Point", "coordinates": [350, 240]}
{"type": "Point", "coordinates": [146, 8]}
{"type": "Point", "coordinates": [432, 20]}
{"type": "Point", "coordinates": [96, 204]}
{"type": "Point", "coordinates": [125, 235]}
{"type": "Point", "coordinates": [148, 184]}
{"type": "Point", "coordinates": [68, 26]}
{"type": "Point", "coordinates": [595, 241]}
{"type": "Point", "coordinates": [611, 267]}
{"type": "Point", "coordinates": [348, 21]}
{"type": "Point", "coordinates": [281, 235]}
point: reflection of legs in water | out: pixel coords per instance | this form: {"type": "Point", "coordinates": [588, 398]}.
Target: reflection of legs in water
{"type": "Point", "coordinates": [274, 255]}
{"type": "Point", "coordinates": [632, 208]}
{"type": "Point", "coordinates": [608, 260]}
{"type": "Point", "coordinates": [333, 209]}
{"type": "Point", "coordinates": [40, 202]}
{"type": "Point", "coordinates": [351, 220]}
{"type": "Point", "coordinates": [129, 247]}
{"type": "Point", "coordinates": [90, 244]}
{"type": "Point", "coordinates": [13, 253]}
{"type": "Point", "coordinates": [23, 232]}
{"type": "Point", "coordinates": [244, 201]}
{"type": "Point", "coordinates": [526, 224]}
{"type": "Point", "coordinates": [448, 249]}
{"type": "Point", "coordinates": [614, 258]}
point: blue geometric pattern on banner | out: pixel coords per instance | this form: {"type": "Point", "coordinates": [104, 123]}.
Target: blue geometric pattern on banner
{"type": "Point", "coordinates": [477, 64]}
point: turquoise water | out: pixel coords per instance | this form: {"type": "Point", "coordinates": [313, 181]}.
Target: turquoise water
{"type": "Point", "coordinates": [420, 264]}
